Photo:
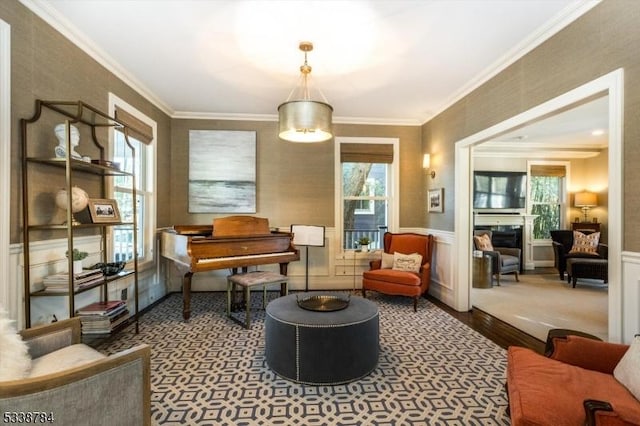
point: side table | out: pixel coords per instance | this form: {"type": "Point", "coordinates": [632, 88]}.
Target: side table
{"type": "Point", "coordinates": [482, 272]}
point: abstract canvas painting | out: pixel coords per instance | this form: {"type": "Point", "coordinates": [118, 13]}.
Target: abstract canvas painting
{"type": "Point", "coordinates": [222, 171]}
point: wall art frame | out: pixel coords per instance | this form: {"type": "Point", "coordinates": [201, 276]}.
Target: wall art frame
{"type": "Point", "coordinates": [435, 200]}
{"type": "Point", "coordinates": [222, 171]}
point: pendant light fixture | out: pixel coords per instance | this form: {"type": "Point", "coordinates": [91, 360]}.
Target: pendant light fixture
{"type": "Point", "coordinates": [302, 119]}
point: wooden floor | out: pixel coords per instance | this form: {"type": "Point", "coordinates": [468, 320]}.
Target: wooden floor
{"type": "Point", "coordinates": [492, 328]}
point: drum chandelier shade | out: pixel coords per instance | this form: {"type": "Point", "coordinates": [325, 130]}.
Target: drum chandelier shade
{"type": "Point", "coordinates": [305, 120]}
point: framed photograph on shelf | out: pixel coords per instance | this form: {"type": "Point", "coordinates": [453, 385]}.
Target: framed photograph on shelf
{"type": "Point", "coordinates": [104, 210]}
{"type": "Point", "coordinates": [435, 200]}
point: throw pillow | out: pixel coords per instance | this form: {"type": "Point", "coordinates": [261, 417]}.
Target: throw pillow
{"type": "Point", "coordinates": [407, 262]}
{"type": "Point", "coordinates": [387, 261]}
{"type": "Point", "coordinates": [627, 371]}
{"type": "Point", "coordinates": [585, 244]}
{"type": "Point", "coordinates": [483, 242]}
{"type": "Point", "coordinates": [15, 362]}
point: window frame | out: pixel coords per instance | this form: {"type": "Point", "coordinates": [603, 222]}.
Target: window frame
{"type": "Point", "coordinates": [564, 197]}
{"type": "Point", "coordinates": [393, 186]}
{"type": "Point", "coordinates": [147, 259]}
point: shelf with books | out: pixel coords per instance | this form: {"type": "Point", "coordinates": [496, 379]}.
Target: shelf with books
{"type": "Point", "coordinates": [49, 174]}
{"type": "Point", "coordinates": [103, 317]}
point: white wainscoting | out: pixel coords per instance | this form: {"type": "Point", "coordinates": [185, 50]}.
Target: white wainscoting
{"type": "Point", "coordinates": [630, 295]}
{"type": "Point", "coordinates": [329, 268]}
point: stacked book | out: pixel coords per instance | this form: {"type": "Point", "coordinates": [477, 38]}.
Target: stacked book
{"type": "Point", "coordinates": [103, 317]}
{"type": "Point", "coordinates": [59, 283]}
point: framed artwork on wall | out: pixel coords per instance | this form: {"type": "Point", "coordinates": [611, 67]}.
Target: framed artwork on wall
{"type": "Point", "coordinates": [435, 200]}
{"type": "Point", "coordinates": [222, 171]}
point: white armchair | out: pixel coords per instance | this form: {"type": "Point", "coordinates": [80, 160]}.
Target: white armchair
{"type": "Point", "coordinates": [76, 385]}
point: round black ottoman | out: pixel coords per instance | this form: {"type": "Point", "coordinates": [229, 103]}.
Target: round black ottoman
{"type": "Point", "coordinates": [321, 347]}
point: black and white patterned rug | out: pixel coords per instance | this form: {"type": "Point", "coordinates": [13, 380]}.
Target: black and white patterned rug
{"type": "Point", "coordinates": [432, 370]}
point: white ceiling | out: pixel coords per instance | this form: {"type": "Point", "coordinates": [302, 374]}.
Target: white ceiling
{"type": "Point", "coordinates": [376, 61]}
{"type": "Point", "coordinates": [578, 132]}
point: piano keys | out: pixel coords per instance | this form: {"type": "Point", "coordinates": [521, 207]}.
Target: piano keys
{"type": "Point", "coordinates": [232, 242]}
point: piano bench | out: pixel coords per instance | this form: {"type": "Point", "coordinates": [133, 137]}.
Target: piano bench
{"type": "Point", "coordinates": [251, 279]}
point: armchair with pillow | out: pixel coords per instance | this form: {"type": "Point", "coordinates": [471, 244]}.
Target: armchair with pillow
{"type": "Point", "coordinates": [47, 370]}
{"type": "Point", "coordinates": [405, 267]}
{"type": "Point", "coordinates": [574, 244]}
{"type": "Point", "coordinates": [504, 260]}
{"type": "Point", "coordinates": [578, 381]}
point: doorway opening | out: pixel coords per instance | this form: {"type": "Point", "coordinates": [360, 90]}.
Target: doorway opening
{"type": "Point", "coordinates": [610, 85]}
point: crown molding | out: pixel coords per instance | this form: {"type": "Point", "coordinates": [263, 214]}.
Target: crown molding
{"type": "Point", "coordinates": [50, 15]}
{"type": "Point", "coordinates": [61, 24]}
{"type": "Point", "coordinates": [560, 21]}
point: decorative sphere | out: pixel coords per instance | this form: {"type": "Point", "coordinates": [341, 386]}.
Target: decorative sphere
{"type": "Point", "coordinates": [79, 199]}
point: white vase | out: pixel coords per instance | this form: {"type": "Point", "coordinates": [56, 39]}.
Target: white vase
{"type": "Point", "coordinates": [364, 248]}
{"type": "Point", "coordinates": [77, 266]}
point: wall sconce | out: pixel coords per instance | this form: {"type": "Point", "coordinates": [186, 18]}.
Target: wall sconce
{"type": "Point", "coordinates": [426, 164]}
{"type": "Point", "coordinates": [585, 200]}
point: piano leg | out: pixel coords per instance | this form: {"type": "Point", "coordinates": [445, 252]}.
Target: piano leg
{"type": "Point", "coordinates": [186, 295]}
{"type": "Point", "coordinates": [283, 271]}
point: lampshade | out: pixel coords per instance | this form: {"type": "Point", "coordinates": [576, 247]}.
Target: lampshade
{"type": "Point", "coordinates": [426, 161]}
{"type": "Point", "coordinates": [585, 199]}
{"type": "Point", "coordinates": [303, 119]}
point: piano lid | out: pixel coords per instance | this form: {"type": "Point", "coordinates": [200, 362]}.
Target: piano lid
{"type": "Point", "coordinates": [232, 226]}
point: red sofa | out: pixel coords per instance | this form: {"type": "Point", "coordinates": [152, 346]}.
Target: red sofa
{"type": "Point", "coordinates": [573, 384]}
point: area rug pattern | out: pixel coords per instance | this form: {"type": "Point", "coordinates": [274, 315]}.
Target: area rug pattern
{"type": "Point", "coordinates": [432, 370]}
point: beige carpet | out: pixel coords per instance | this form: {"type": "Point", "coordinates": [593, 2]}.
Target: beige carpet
{"type": "Point", "coordinates": [541, 302]}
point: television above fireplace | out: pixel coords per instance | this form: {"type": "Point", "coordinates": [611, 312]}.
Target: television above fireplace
{"type": "Point", "coordinates": [499, 190]}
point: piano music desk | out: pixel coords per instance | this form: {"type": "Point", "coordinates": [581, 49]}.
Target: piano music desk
{"type": "Point", "coordinates": [253, 279]}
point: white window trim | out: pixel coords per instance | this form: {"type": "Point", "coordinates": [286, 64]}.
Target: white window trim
{"type": "Point", "coordinates": [10, 297]}
{"type": "Point", "coordinates": [150, 211]}
{"type": "Point", "coordinates": [565, 208]}
{"type": "Point", "coordinates": [394, 188]}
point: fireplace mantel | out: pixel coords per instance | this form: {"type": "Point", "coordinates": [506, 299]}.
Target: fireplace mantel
{"type": "Point", "coordinates": [524, 220]}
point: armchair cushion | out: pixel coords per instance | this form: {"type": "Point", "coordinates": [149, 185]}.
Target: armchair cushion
{"type": "Point", "coordinates": [395, 277]}
{"type": "Point", "coordinates": [15, 361]}
{"type": "Point", "coordinates": [407, 262]}
{"type": "Point", "coordinates": [483, 242]}
{"type": "Point", "coordinates": [585, 244]}
{"type": "Point", "coordinates": [545, 391]}
{"type": "Point", "coordinates": [627, 371]}
{"type": "Point", "coordinates": [64, 359]}
{"type": "Point", "coordinates": [578, 351]}
{"type": "Point", "coordinates": [387, 261]}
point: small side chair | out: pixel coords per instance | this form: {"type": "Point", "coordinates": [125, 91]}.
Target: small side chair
{"type": "Point", "coordinates": [387, 277]}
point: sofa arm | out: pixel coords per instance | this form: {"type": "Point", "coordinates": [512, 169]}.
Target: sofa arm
{"type": "Point", "coordinates": [47, 338]}
{"type": "Point", "coordinates": [601, 413]}
{"type": "Point", "coordinates": [115, 390]}
{"type": "Point", "coordinates": [585, 352]}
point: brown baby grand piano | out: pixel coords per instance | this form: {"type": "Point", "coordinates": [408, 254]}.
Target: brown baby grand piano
{"type": "Point", "coordinates": [232, 242]}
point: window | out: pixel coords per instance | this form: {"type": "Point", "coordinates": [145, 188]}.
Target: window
{"type": "Point", "coordinates": [547, 195]}
{"type": "Point", "coordinates": [367, 191]}
{"type": "Point", "coordinates": [141, 162]}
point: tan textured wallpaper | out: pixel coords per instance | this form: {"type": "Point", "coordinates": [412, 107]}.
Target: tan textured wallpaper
{"type": "Point", "coordinates": [603, 40]}
{"type": "Point", "coordinates": [295, 182]}
{"type": "Point", "coordinates": [45, 65]}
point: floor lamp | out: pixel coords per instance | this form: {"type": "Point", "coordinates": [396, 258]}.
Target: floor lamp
{"type": "Point", "coordinates": [308, 236]}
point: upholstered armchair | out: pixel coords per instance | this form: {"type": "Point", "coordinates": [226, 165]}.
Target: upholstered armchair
{"type": "Point", "coordinates": [73, 384]}
{"type": "Point", "coordinates": [562, 241]}
{"type": "Point", "coordinates": [580, 380]}
{"type": "Point", "coordinates": [504, 260]}
{"type": "Point", "coordinates": [400, 272]}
